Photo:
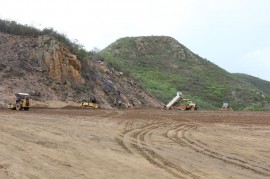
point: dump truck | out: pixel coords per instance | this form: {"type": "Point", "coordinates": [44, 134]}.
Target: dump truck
{"type": "Point", "coordinates": [20, 102]}
{"type": "Point", "coordinates": [175, 100]}
{"type": "Point", "coordinates": [186, 105]}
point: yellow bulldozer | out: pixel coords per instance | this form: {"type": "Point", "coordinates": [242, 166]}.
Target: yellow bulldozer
{"type": "Point", "coordinates": [188, 104]}
{"type": "Point", "coordinates": [20, 102]}
{"type": "Point", "coordinates": [88, 103]}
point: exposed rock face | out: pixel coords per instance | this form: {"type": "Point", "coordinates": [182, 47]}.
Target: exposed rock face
{"type": "Point", "coordinates": [20, 69]}
{"type": "Point", "coordinates": [58, 61]}
{"type": "Point", "coordinates": [117, 90]}
{"type": "Point", "coordinates": [47, 70]}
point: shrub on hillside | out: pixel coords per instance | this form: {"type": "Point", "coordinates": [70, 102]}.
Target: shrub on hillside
{"type": "Point", "coordinates": [12, 27]}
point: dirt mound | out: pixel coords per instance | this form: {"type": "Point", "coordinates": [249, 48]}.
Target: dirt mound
{"type": "Point", "coordinates": [53, 104]}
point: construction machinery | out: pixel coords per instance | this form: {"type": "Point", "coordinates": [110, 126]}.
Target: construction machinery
{"type": "Point", "coordinates": [186, 105]}
{"type": "Point", "coordinates": [20, 102]}
{"type": "Point", "coordinates": [226, 106]}
{"type": "Point", "coordinates": [88, 103]}
{"type": "Point", "coordinates": [175, 100]}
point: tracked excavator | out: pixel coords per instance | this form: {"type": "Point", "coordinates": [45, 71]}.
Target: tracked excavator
{"type": "Point", "coordinates": [186, 105]}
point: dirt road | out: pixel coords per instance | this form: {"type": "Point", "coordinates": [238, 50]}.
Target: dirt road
{"type": "Point", "coordinates": [70, 143]}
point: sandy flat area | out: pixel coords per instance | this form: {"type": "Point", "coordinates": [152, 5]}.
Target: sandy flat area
{"type": "Point", "coordinates": [140, 143]}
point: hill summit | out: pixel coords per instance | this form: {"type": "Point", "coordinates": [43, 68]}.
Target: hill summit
{"type": "Point", "coordinates": [163, 66]}
{"type": "Point", "coordinates": [131, 72]}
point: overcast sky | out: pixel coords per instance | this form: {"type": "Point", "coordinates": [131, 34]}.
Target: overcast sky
{"type": "Point", "coordinates": [233, 34]}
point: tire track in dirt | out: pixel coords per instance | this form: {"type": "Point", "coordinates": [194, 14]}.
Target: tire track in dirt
{"type": "Point", "coordinates": [127, 126]}
{"type": "Point", "coordinates": [78, 136]}
{"type": "Point", "coordinates": [138, 142]}
{"type": "Point", "coordinates": [183, 138]}
{"type": "Point", "coordinates": [153, 152]}
{"type": "Point", "coordinates": [103, 120]}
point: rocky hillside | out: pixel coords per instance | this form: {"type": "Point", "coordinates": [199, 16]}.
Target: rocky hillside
{"type": "Point", "coordinates": [131, 72]}
{"type": "Point", "coordinates": [48, 70]}
{"type": "Point", "coordinates": [162, 66]}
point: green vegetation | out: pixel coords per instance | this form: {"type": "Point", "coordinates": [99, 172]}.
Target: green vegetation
{"type": "Point", "coordinates": [254, 107]}
{"type": "Point", "coordinates": [268, 99]}
{"type": "Point", "coordinates": [162, 66]}
{"type": "Point", "coordinates": [14, 28]}
{"type": "Point", "coordinates": [263, 85]}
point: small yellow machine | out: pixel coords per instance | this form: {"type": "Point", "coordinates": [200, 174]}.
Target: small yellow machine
{"type": "Point", "coordinates": [22, 101]}
{"type": "Point", "coordinates": [88, 103]}
{"type": "Point", "coordinates": [188, 105]}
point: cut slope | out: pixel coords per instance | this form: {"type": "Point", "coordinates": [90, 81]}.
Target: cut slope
{"type": "Point", "coordinates": [48, 70]}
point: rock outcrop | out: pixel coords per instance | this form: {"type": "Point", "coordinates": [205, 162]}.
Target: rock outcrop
{"type": "Point", "coordinates": [58, 61]}
{"type": "Point", "coordinates": [46, 68]}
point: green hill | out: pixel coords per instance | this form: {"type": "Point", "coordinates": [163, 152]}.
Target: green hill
{"type": "Point", "coordinates": [163, 66]}
{"type": "Point", "coordinates": [263, 85]}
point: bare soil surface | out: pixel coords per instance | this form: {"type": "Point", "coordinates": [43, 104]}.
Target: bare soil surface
{"type": "Point", "coordinates": [143, 143]}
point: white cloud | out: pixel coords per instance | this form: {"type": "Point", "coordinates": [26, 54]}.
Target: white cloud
{"type": "Point", "coordinates": [255, 63]}
{"type": "Point", "coordinates": [222, 31]}
{"type": "Point", "coordinates": [259, 57]}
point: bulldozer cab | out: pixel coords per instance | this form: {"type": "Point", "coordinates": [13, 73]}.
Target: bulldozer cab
{"type": "Point", "coordinates": [187, 101]}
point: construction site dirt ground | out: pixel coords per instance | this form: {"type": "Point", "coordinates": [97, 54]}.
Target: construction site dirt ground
{"type": "Point", "coordinates": [139, 143]}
